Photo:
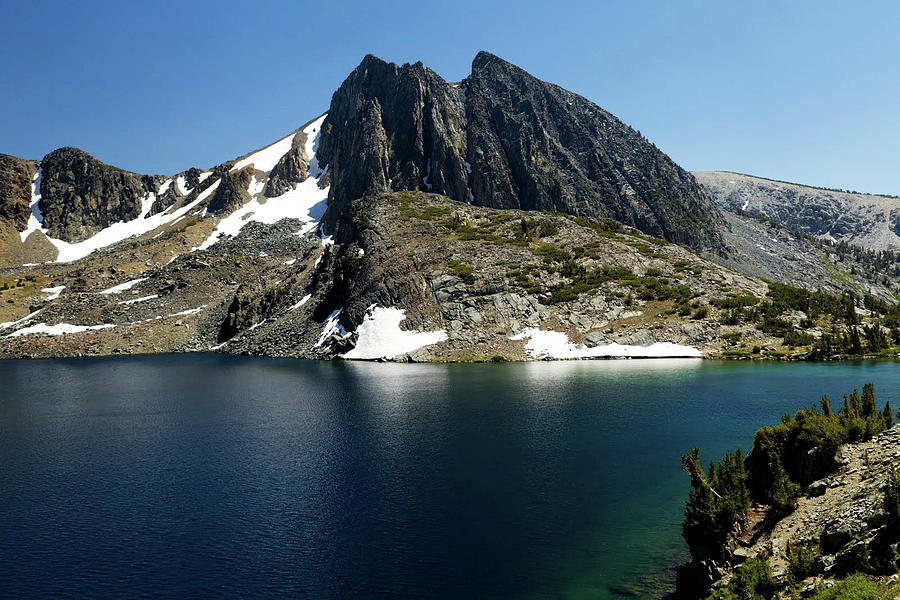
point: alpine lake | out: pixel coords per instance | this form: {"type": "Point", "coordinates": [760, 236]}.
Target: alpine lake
{"type": "Point", "coordinates": [211, 475]}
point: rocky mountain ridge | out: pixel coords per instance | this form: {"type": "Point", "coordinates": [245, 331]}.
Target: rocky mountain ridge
{"type": "Point", "coordinates": [866, 220]}
{"type": "Point", "coordinates": [504, 139]}
{"type": "Point", "coordinates": [498, 217]}
{"type": "Point", "coordinates": [812, 237]}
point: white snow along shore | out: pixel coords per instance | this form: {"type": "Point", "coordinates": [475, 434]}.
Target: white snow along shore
{"type": "Point", "coordinates": [556, 345]}
{"type": "Point", "coordinates": [380, 335]}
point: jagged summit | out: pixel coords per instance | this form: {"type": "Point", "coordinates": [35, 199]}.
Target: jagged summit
{"type": "Point", "coordinates": [484, 57]}
{"type": "Point", "coordinates": [504, 139]}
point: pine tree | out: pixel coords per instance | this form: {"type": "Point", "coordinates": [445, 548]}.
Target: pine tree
{"type": "Point", "coordinates": [854, 342]}
{"type": "Point", "coordinates": [887, 415]}
{"type": "Point", "coordinates": [826, 407]}
{"type": "Point", "coordinates": [868, 400]}
{"type": "Point", "coordinates": [855, 408]}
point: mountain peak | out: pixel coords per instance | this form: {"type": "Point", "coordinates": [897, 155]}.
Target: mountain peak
{"type": "Point", "coordinates": [509, 141]}
{"type": "Point", "coordinates": [370, 60]}
{"type": "Point", "coordinates": [484, 58]}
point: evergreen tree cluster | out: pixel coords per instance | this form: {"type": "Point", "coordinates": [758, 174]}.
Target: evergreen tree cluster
{"type": "Point", "coordinates": [718, 499]}
{"type": "Point", "coordinates": [774, 472]}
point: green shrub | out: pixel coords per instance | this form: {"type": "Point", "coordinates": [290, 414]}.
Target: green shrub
{"type": "Point", "coordinates": [855, 587]}
{"type": "Point", "coordinates": [798, 338]}
{"type": "Point", "coordinates": [753, 580]}
{"type": "Point", "coordinates": [732, 337]}
{"type": "Point", "coordinates": [735, 300]}
{"type": "Point", "coordinates": [539, 228]}
{"type": "Point", "coordinates": [892, 495]}
{"type": "Point", "coordinates": [551, 253]}
{"type": "Point", "coordinates": [463, 271]}
{"type": "Point", "coordinates": [718, 498]}
{"type": "Point", "coordinates": [800, 559]}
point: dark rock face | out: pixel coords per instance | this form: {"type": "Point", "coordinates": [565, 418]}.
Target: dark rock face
{"type": "Point", "coordinates": [232, 192]}
{"type": "Point", "coordinates": [172, 196]}
{"type": "Point", "coordinates": [164, 201]}
{"type": "Point", "coordinates": [504, 139]}
{"type": "Point", "coordinates": [385, 124]}
{"type": "Point", "coordinates": [80, 195]}
{"type": "Point", "coordinates": [543, 148]}
{"type": "Point", "coordinates": [290, 169]}
{"type": "Point", "coordinates": [192, 178]}
{"type": "Point", "coordinates": [249, 306]}
{"type": "Point", "coordinates": [16, 176]}
{"type": "Point", "coordinates": [380, 275]}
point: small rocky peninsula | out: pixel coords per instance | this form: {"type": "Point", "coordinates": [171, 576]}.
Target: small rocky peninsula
{"type": "Point", "coordinates": [813, 510]}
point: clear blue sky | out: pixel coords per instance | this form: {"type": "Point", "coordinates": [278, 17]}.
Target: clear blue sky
{"type": "Point", "coordinates": [802, 91]}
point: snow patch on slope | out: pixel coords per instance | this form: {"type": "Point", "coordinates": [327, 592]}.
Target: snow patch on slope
{"type": "Point", "coordinates": [556, 344]}
{"type": "Point", "coordinates": [123, 230]}
{"type": "Point", "coordinates": [268, 157]}
{"type": "Point", "coordinates": [35, 219]}
{"type": "Point", "coordinates": [123, 287]}
{"type": "Point", "coordinates": [256, 187]}
{"type": "Point", "coordinates": [331, 326]}
{"type": "Point", "coordinates": [53, 291]}
{"type": "Point", "coordinates": [164, 187]}
{"type": "Point", "coordinates": [9, 324]}
{"type": "Point", "coordinates": [380, 335]}
{"type": "Point", "coordinates": [141, 299]}
{"type": "Point", "coordinates": [58, 329]}
{"type": "Point", "coordinates": [306, 202]}
{"type": "Point", "coordinates": [302, 301]}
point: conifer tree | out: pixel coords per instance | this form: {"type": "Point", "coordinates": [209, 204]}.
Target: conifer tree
{"type": "Point", "coordinates": [855, 407]}
{"type": "Point", "coordinates": [826, 406]}
{"type": "Point", "coordinates": [887, 415]}
{"type": "Point", "coordinates": [868, 400]}
{"type": "Point", "coordinates": [854, 342]}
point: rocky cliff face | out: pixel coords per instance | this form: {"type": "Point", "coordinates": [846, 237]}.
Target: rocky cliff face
{"type": "Point", "coordinates": [16, 176]}
{"type": "Point", "coordinates": [540, 147]}
{"type": "Point", "coordinates": [482, 210]}
{"type": "Point", "coordinates": [80, 195]}
{"type": "Point", "coordinates": [232, 192]}
{"type": "Point", "coordinates": [504, 139]}
{"type": "Point", "coordinates": [480, 275]}
{"type": "Point", "coordinates": [390, 128]}
{"type": "Point", "coordinates": [289, 170]}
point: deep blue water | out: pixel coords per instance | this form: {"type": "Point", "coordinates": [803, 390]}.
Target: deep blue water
{"type": "Point", "coordinates": [205, 475]}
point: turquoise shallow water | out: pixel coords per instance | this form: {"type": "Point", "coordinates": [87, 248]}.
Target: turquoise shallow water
{"type": "Point", "coordinates": [178, 476]}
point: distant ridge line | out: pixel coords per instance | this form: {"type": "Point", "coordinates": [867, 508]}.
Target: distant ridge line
{"type": "Point", "coordinates": [806, 185]}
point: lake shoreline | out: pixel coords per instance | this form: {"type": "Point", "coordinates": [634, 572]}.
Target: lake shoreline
{"type": "Point", "coordinates": [497, 359]}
